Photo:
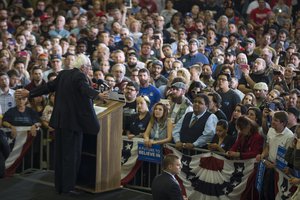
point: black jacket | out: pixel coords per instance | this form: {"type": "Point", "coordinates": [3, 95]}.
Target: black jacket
{"type": "Point", "coordinates": [73, 106]}
{"type": "Point", "coordinates": [164, 187]}
{"type": "Point", "coordinates": [4, 153]}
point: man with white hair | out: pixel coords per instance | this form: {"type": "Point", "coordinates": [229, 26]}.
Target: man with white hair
{"type": "Point", "coordinates": [73, 114]}
{"type": "Point", "coordinates": [59, 28]}
{"type": "Point", "coordinates": [118, 71]}
{"type": "Point", "coordinates": [267, 55]}
{"type": "Point", "coordinates": [103, 54]}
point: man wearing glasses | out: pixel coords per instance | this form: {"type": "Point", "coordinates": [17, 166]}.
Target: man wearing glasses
{"type": "Point", "coordinates": [229, 97]}
{"type": "Point", "coordinates": [130, 92]}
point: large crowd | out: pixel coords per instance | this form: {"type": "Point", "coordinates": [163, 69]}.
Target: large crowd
{"type": "Point", "coordinates": [216, 74]}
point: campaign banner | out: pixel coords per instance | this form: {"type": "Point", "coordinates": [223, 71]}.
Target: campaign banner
{"type": "Point", "coordinates": [296, 173]}
{"type": "Point", "coordinates": [152, 154]}
{"type": "Point", "coordinates": [260, 176]}
{"type": "Point", "coordinates": [280, 161]}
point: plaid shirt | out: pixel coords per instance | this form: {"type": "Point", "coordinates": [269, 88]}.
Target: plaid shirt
{"type": "Point", "coordinates": [7, 100]}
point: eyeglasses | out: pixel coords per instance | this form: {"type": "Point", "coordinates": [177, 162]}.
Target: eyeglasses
{"type": "Point", "coordinates": [222, 79]}
{"type": "Point", "coordinates": [196, 92]}
{"type": "Point", "coordinates": [130, 89]}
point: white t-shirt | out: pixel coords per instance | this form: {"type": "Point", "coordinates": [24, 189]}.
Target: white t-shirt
{"type": "Point", "coordinates": [275, 139]}
{"type": "Point", "coordinates": [253, 5]}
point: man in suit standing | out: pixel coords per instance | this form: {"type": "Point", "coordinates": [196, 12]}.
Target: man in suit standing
{"type": "Point", "coordinates": [165, 185]}
{"type": "Point", "coordinates": [73, 114]}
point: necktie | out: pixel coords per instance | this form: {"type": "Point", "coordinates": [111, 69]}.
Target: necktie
{"type": "Point", "coordinates": [193, 121]}
{"type": "Point", "coordinates": [175, 180]}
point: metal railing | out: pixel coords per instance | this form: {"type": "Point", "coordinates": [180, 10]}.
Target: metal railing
{"type": "Point", "coordinates": [144, 176]}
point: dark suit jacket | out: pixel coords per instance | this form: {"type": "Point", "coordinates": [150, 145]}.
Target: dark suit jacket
{"type": "Point", "coordinates": [4, 153]}
{"type": "Point", "coordinates": [164, 187]}
{"type": "Point", "coordinates": [73, 106]}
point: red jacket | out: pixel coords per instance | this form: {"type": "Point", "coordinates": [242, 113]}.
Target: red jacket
{"type": "Point", "coordinates": [248, 146]}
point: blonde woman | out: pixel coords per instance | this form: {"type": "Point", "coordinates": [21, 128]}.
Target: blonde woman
{"type": "Point", "coordinates": [140, 120]}
{"type": "Point", "coordinates": [185, 74]}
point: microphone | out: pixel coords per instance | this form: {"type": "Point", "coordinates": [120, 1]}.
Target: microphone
{"type": "Point", "coordinates": [100, 82]}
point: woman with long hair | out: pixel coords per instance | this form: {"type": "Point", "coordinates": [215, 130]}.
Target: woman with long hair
{"type": "Point", "coordinates": [169, 11]}
{"type": "Point", "coordinates": [159, 129]}
{"type": "Point", "coordinates": [249, 142]}
{"type": "Point", "coordinates": [255, 114]}
{"type": "Point", "coordinates": [221, 142]}
{"type": "Point", "coordinates": [249, 99]}
{"type": "Point", "coordinates": [238, 111]}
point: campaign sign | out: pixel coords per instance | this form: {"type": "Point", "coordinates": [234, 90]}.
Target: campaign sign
{"type": "Point", "coordinates": [296, 173]}
{"type": "Point", "coordinates": [260, 176]}
{"type": "Point", "coordinates": [153, 154]}
{"type": "Point", "coordinates": [280, 161]}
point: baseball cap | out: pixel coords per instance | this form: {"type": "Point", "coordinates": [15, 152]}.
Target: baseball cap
{"type": "Point", "coordinates": [179, 85]}
{"type": "Point", "coordinates": [261, 86]}
{"type": "Point", "coordinates": [129, 38]}
{"type": "Point", "coordinates": [275, 27]}
{"type": "Point", "coordinates": [250, 40]}
{"type": "Point", "coordinates": [194, 40]}
{"type": "Point", "coordinates": [43, 56]}
{"type": "Point", "coordinates": [294, 111]}
{"type": "Point", "coordinates": [230, 52]}
{"type": "Point", "coordinates": [188, 14]}
{"type": "Point", "coordinates": [133, 84]}
{"type": "Point", "coordinates": [157, 62]}
{"type": "Point", "coordinates": [44, 17]}
{"type": "Point", "coordinates": [132, 53]}
{"type": "Point", "coordinates": [56, 57]}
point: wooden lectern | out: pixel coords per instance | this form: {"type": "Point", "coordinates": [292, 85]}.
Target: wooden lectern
{"type": "Point", "coordinates": [100, 169]}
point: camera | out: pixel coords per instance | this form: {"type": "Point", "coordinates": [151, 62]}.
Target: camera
{"type": "Point", "coordinates": [297, 71]}
{"type": "Point", "coordinates": [271, 106]}
{"type": "Point", "coordinates": [22, 54]}
{"type": "Point", "coordinates": [277, 73]}
{"type": "Point", "coordinates": [216, 60]}
{"type": "Point", "coordinates": [282, 53]}
{"type": "Point", "coordinates": [244, 66]}
{"type": "Point", "coordinates": [155, 37]}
